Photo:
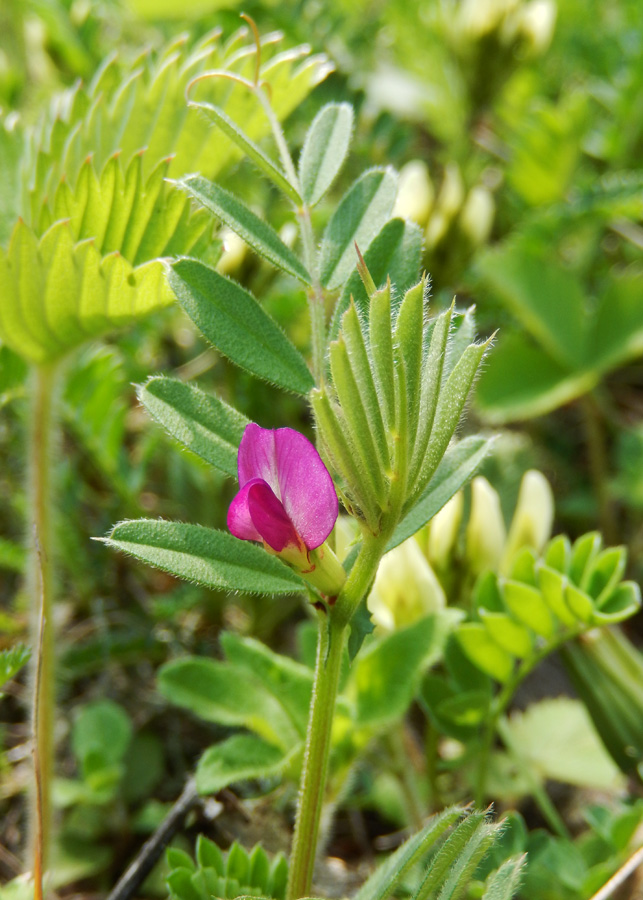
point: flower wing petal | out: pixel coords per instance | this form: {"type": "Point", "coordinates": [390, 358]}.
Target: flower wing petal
{"type": "Point", "coordinates": [305, 487]}
{"type": "Point", "coordinates": [239, 520]}
{"type": "Point", "coordinates": [269, 517]}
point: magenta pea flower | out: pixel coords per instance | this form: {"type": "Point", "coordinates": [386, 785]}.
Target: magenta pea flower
{"type": "Point", "coordinates": [287, 502]}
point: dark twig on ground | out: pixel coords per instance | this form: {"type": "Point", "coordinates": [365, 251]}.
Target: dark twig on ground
{"type": "Point", "coordinates": [151, 851]}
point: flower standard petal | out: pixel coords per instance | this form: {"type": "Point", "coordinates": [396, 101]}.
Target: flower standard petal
{"type": "Point", "coordinates": [257, 458]}
{"type": "Point", "coordinates": [307, 490]}
{"type": "Point", "coordinates": [294, 470]}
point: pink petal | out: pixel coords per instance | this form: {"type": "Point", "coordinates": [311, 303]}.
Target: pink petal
{"type": "Point", "coordinates": [270, 518]}
{"type": "Point", "coordinates": [307, 490]}
{"type": "Point", "coordinates": [240, 522]}
{"type": "Point", "coordinates": [293, 468]}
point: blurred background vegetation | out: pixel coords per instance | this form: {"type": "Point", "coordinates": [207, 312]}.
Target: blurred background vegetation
{"type": "Point", "coordinates": [517, 126]}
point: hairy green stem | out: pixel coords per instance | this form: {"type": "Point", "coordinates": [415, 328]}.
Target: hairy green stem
{"type": "Point", "coordinates": [333, 629]}
{"type": "Point", "coordinates": [330, 649]}
{"type": "Point", "coordinates": [41, 451]}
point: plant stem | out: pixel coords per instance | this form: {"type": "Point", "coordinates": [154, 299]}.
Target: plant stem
{"type": "Point", "coordinates": [330, 647]}
{"type": "Point", "coordinates": [316, 301]}
{"type": "Point", "coordinates": [40, 455]}
{"type": "Point", "coordinates": [333, 629]}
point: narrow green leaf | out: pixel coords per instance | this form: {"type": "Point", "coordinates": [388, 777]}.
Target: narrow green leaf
{"type": "Point", "coordinates": [455, 470]}
{"type": "Point", "coordinates": [409, 329]}
{"type": "Point", "coordinates": [386, 877]}
{"type": "Point", "coordinates": [448, 854]}
{"type": "Point", "coordinates": [234, 322]}
{"type": "Point", "coordinates": [339, 451]}
{"type": "Point", "coordinates": [527, 604]}
{"type": "Point", "coordinates": [381, 351]}
{"type": "Point", "coordinates": [361, 213]}
{"type": "Point", "coordinates": [505, 881]}
{"type": "Point", "coordinates": [248, 146]}
{"type": "Point", "coordinates": [453, 396]}
{"type": "Point", "coordinates": [579, 603]}
{"type": "Point", "coordinates": [238, 758]}
{"type": "Point", "coordinates": [263, 239]}
{"type": "Point", "coordinates": [430, 391]}
{"type": "Point", "coordinates": [324, 150]}
{"type": "Point", "coordinates": [461, 874]}
{"type": "Point", "coordinates": [201, 422]}
{"type": "Point", "coordinates": [395, 254]}
{"type": "Point", "coordinates": [361, 367]}
{"type": "Point", "coordinates": [484, 652]}
{"type": "Point", "coordinates": [211, 558]}
{"type": "Point", "coordinates": [358, 428]}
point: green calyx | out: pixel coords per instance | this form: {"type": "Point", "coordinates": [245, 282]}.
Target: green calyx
{"type": "Point", "coordinates": [398, 386]}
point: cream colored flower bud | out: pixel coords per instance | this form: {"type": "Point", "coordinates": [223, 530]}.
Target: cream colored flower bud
{"type": "Point", "coordinates": [443, 531]}
{"type": "Point", "coordinates": [477, 215]}
{"type": "Point", "coordinates": [405, 588]}
{"type": "Point", "coordinates": [486, 533]}
{"type": "Point", "coordinates": [537, 23]}
{"type": "Point", "coordinates": [415, 193]}
{"type": "Point", "coordinates": [533, 517]}
{"type": "Point", "coordinates": [447, 206]}
{"type": "Point", "coordinates": [234, 251]}
{"type": "Point", "coordinates": [480, 17]}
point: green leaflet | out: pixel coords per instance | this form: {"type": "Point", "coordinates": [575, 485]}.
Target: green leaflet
{"type": "Point", "coordinates": [361, 213]}
{"type": "Point", "coordinates": [57, 294]}
{"type": "Point", "coordinates": [395, 253]}
{"type": "Point", "coordinates": [252, 150]}
{"type": "Point", "coordinates": [212, 558]}
{"type": "Point", "coordinates": [238, 758]}
{"type": "Point", "coordinates": [234, 322]}
{"type": "Point", "coordinates": [254, 231]}
{"type": "Point", "coordinates": [457, 467]}
{"type": "Point", "coordinates": [504, 882]}
{"type": "Point", "coordinates": [324, 150]}
{"type": "Point", "coordinates": [201, 422]}
{"type": "Point", "coordinates": [229, 695]}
